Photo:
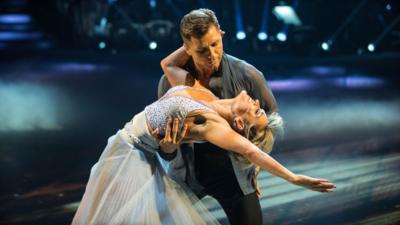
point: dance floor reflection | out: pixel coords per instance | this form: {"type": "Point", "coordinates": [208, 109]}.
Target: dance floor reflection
{"type": "Point", "coordinates": [56, 116]}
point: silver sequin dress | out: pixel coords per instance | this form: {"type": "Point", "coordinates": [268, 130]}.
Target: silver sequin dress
{"type": "Point", "coordinates": [174, 106]}
{"type": "Point", "coordinates": [128, 184]}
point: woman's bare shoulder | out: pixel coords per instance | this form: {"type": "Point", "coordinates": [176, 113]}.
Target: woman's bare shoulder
{"type": "Point", "coordinates": [201, 121]}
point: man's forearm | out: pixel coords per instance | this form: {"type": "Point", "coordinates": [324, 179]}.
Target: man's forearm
{"type": "Point", "coordinates": [173, 64]}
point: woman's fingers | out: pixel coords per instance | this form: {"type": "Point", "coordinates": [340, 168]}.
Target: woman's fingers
{"type": "Point", "coordinates": [321, 185]}
{"type": "Point", "coordinates": [323, 190]}
{"type": "Point", "coordinates": [317, 180]}
{"type": "Point", "coordinates": [326, 185]}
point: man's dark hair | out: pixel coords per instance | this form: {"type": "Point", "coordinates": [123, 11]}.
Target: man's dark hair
{"type": "Point", "coordinates": [196, 23]}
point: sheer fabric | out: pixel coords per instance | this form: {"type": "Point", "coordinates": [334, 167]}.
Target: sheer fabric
{"type": "Point", "coordinates": [128, 185]}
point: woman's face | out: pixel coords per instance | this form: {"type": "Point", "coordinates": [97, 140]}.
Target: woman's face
{"type": "Point", "coordinates": [249, 111]}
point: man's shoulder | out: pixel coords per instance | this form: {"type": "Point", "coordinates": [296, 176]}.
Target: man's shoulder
{"type": "Point", "coordinates": [248, 71]}
{"type": "Point", "coordinates": [247, 67]}
{"type": "Point", "coordinates": [234, 60]}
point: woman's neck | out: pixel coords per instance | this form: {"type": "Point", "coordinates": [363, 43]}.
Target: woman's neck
{"type": "Point", "coordinates": [223, 108]}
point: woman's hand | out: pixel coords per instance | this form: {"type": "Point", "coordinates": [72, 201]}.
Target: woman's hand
{"type": "Point", "coordinates": [321, 185]}
{"type": "Point", "coordinates": [173, 136]}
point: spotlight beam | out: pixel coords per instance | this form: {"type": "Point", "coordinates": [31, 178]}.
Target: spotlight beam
{"type": "Point", "coordinates": [348, 19]}
{"type": "Point", "coordinates": [386, 31]}
{"type": "Point", "coordinates": [175, 9]}
{"type": "Point", "coordinates": [264, 18]}
{"type": "Point", "coordinates": [238, 17]}
{"type": "Point", "coordinates": [132, 24]}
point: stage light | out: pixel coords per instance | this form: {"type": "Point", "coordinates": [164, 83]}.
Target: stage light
{"type": "Point", "coordinates": [112, 1]}
{"type": "Point", "coordinates": [388, 7]}
{"type": "Point", "coordinates": [102, 27]}
{"type": "Point", "coordinates": [371, 47]}
{"type": "Point", "coordinates": [17, 36]}
{"type": "Point", "coordinates": [153, 45]}
{"type": "Point", "coordinates": [15, 18]}
{"type": "Point", "coordinates": [347, 21]}
{"type": "Point", "coordinates": [102, 45]}
{"type": "Point", "coordinates": [325, 46]}
{"type": "Point", "coordinates": [103, 22]}
{"type": "Point", "coordinates": [240, 35]}
{"type": "Point", "coordinates": [281, 36]}
{"type": "Point", "coordinates": [262, 36]}
{"type": "Point", "coordinates": [153, 3]}
{"type": "Point", "coordinates": [286, 14]}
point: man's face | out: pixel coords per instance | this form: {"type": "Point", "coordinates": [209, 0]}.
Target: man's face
{"type": "Point", "coordinates": [206, 51]}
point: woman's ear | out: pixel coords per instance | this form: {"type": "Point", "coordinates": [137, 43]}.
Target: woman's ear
{"type": "Point", "coordinates": [238, 123]}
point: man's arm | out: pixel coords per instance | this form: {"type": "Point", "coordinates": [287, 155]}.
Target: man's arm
{"type": "Point", "coordinates": [163, 86]}
{"type": "Point", "coordinates": [259, 89]}
{"type": "Point", "coordinates": [173, 64]}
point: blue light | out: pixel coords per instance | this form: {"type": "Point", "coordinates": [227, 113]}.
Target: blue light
{"type": "Point", "coordinates": [102, 45]}
{"type": "Point", "coordinates": [262, 36]}
{"type": "Point", "coordinates": [112, 1]}
{"type": "Point", "coordinates": [281, 36]}
{"type": "Point", "coordinates": [388, 7]}
{"type": "Point", "coordinates": [103, 22]}
{"type": "Point", "coordinates": [15, 18]}
{"type": "Point", "coordinates": [153, 3]}
{"type": "Point", "coordinates": [240, 35]}
{"type": "Point", "coordinates": [325, 46]}
{"type": "Point", "coordinates": [15, 27]}
{"type": "Point", "coordinates": [43, 45]}
{"type": "Point", "coordinates": [153, 45]}
{"type": "Point", "coordinates": [287, 14]}
{"type": "Point", "coordinates": [371, 47]}
{"type": "Point", "coordinates": [16, 36]}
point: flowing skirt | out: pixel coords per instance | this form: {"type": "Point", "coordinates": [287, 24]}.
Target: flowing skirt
{"type": "Point", "coordinates": [128, 186]}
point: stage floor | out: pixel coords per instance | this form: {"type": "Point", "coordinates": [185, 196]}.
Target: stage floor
{"type": "Point", "coordinates": [57, 113]}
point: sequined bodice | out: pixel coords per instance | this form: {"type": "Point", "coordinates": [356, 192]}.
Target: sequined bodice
{"type": "Point", "coordinates": [174, 106]}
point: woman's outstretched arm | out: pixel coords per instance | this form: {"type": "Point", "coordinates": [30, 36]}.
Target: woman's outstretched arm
{"type": "Point", "coordinates": [217, 131]}
{"type": "Point", "coordinates": [172, 66]}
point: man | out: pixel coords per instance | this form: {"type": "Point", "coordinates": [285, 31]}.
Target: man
{"type": "Point", "coordinates": [209, 170]}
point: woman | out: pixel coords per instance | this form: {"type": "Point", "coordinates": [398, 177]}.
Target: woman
{"type": "Point", "coordinates": [128, 185]}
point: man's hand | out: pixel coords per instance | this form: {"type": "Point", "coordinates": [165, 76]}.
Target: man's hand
{"type": "Point", "coordinates": [173, 136]}
{"type": "Point", "coordinates": [255, 182]}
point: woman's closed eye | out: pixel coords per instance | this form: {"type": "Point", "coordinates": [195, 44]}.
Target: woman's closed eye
{"type": "Point", "coordinates": [260, 112]}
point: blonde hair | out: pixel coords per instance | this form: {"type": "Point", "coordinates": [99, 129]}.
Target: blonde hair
{"type": "Point", "coordinates": [263, 138]}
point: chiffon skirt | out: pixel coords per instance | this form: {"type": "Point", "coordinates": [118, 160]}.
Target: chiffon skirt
{"type": "Point", "coordinates": [128, 186]}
